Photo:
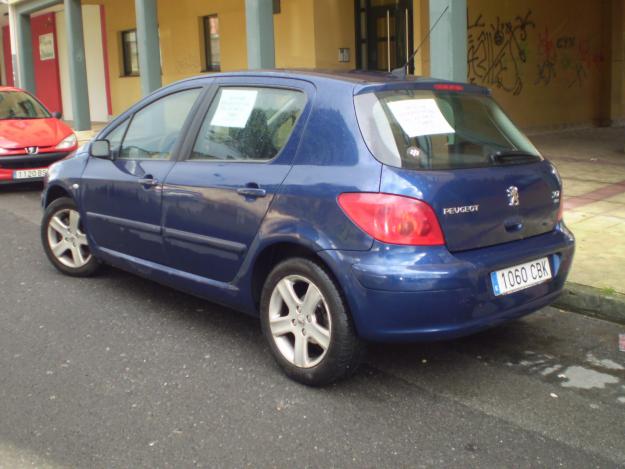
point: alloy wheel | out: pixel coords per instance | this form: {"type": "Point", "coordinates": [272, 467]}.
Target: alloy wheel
{"type": "Point", "coordinates": [300, 321]}
{"type": "Point", "coordinates": [67, 241]}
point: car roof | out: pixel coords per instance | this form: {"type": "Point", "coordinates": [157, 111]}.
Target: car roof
{"type": "Point", "coordinates": [360, 80]}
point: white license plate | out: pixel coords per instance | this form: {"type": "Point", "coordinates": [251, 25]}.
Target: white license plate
{"type": "Point", "coordinates": [30, 173]}
{"type": "Point", "coordinates": [520, 276]}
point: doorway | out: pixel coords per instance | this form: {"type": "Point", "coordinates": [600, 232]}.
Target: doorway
{"type": "Point", "coordinates": [384, 34]}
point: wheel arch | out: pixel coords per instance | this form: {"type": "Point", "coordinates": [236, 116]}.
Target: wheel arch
{"type": "Point", "coordinates": [272, 254]}
{"type": "Point", "coordinates": [55, 192]}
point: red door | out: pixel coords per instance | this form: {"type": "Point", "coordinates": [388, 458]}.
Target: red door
{"type": "Point", "coordinates": [46, 61]}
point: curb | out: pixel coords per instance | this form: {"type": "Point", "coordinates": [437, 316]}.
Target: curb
{"type": "Point", "coordinates": [592, 302]}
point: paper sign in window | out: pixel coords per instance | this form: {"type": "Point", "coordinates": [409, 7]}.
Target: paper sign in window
{"type": "Point", "coordinates": [234, 108]}
{"type": "Point", "coordinates": [419, 117]}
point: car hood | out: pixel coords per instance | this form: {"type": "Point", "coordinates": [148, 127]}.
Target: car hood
{"type": "Point", "coordinates": [20, 133]}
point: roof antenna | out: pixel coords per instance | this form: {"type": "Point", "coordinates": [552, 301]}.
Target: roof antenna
{"type": "Point", "coordinates": [403, 70]}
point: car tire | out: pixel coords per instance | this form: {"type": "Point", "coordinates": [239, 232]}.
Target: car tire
{"type": "Point", "coordinates": [310, 333]}
{"type": "Point", "coordinates": [65, 242]}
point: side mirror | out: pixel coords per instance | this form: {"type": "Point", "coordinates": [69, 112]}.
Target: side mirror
{"type": "Point", "coordinates": [57, 115]}
{"type": "Point", "coordinates": [101, 149]}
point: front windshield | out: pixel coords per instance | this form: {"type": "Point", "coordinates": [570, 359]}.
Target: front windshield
{"type": "Point", "coordinates": [425, 129]}
{"type": "Point", "coordinates": [20, 105]}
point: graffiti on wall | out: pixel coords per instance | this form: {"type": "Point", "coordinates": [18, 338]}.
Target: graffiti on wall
{"type": "Point", "coordinates": [498, 54]}
{"type": "Point", "coordinates": [497, 51]}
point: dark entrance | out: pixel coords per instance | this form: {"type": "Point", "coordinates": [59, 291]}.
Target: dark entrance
{"type": "Point", "coordinates": [384, 34]}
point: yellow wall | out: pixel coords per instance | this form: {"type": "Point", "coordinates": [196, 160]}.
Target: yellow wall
{"type": "Point", "coordinates": [294, 34]}
{"type": "Point", "coordinates": [180, 35]}
{"type": "Point", "coordinates": [308, 34]}
{"type": "Point", "coordinates": [334, 29]}
{"type": "Point", "coordinates": [545, 61]}
{"type": "Point", "coordinates": [548, 63]}
{"type": "Point", "coordinates": [421, 26]}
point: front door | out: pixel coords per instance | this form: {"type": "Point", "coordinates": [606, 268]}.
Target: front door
{"type": "Point", "coordinates": [384, 32]}
{"type": "Point", "coordinates": [123, 198]}
{"type": "Point", "coordinates": [216, 198]}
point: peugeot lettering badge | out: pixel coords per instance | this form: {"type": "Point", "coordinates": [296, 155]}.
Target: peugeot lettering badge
{"type": "Point", "coordinates": [513, 196]}
{"type": "Point", "coordinates": [32, 150]}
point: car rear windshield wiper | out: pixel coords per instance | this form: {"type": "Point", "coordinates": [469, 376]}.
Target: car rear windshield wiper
{"type": "Point", "coordinates": [513, 157]}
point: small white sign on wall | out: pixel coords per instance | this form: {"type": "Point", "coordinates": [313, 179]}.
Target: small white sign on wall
{"type": "Point", "coordinates": [46, 47]}
{"type": "Point", "coordinates": [234, 108]}
{"type": "Point", "coordinates": [419, 117]}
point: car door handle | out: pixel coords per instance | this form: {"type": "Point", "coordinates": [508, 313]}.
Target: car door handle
{"type": "Point", "coordinates": [252, 191]}
{"type": "Point", "coordinates": [148, 181]}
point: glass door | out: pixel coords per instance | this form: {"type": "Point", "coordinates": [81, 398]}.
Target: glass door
{"type": "Point", "coordinates": [384, 32]}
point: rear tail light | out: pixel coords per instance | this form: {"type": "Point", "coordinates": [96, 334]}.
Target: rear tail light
{"type": "Point", "coordinates": [393, 219]}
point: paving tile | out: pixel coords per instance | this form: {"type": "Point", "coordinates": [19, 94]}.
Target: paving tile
{"type": "Point", "coordinates": [620, 198]}
{"type": "Point", "coordinates": [602, 207]}
{"type": "Point", "coordinates": [592, 165]}
{"type": "Point", "coordinates": [573, 188]}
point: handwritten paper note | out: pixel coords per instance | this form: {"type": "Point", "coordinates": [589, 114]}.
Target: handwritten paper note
{"type": "Point", "coordinates": [234, 108]}
{"type": "Point", "coordinates": [419, 117]}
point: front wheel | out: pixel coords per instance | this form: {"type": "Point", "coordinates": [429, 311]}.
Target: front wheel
{"type": "Point", "coordinates": [307, 325]}
{"type": "Point", "coordinates": [64, 241]}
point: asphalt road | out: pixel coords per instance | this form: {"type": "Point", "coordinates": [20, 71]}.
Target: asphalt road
{"type": "Point", "coordinates": [117, 371]}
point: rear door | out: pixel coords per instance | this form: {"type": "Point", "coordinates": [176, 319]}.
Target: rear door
{"type": "Point", "coordinates": [122, 199]}
{"type": "Point", "coordinates": [234, 163]}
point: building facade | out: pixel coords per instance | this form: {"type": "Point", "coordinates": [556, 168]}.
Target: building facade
{"type": "Point", "coordinates": [550, 64]}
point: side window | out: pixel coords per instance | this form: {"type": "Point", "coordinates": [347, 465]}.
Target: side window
{"type": "Point", "coordinates": [153, 130]}
{"type": "Point", "coordinates": [246, 123]}
{"type": "Point", "coordinates": [116, 135]}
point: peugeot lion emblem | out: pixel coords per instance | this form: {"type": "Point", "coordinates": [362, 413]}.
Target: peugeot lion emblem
{"type": "Point", "coordinates": [513, 196]}
{"type": "Point", "coordinates": [32, 150]}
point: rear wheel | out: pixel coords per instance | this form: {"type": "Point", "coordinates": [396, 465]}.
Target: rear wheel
{"type": "Point", "coordinates": [306, 323]}
{"type": "Point", "coordinates": [64, 240]}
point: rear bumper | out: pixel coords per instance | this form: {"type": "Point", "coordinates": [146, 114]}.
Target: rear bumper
{"type": "Point", "coordinates": [398, 293]}
{"type": "Point", "coordinates": [10, 164]}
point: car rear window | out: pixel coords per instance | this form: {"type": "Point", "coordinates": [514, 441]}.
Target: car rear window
{"type": "Point", "coordinates": [427, 129]}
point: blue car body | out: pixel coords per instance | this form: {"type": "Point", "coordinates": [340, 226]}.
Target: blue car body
{"type": "Point", "coordinates": [197, 231]}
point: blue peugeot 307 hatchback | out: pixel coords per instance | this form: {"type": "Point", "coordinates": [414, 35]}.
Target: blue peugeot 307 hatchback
{"type": "Point", "coordinates": [339, 207]}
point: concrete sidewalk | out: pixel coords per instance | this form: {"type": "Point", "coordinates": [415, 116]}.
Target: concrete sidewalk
{"type": "Point", "coordinates": [592, 165]}
{"type": "Point", "coordinates": [85, 135]}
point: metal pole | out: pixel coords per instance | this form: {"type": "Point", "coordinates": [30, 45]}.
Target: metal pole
{"type": "Point", "coordinates": [407, 39]}
{"type": "Point", "coordinates": [388, 40]}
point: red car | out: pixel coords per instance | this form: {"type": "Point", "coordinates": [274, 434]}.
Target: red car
{"type": "Point", "coordinates": [31, 138]}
